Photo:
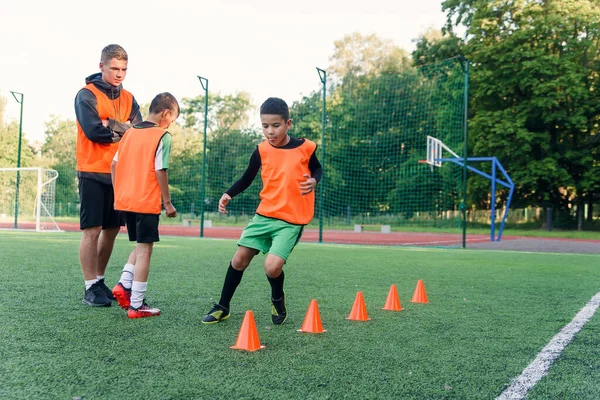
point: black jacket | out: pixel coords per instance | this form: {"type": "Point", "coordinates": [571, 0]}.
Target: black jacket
{"type": "Point", "coordinates": [87, 116]}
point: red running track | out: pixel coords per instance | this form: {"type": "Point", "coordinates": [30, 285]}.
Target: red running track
{"type": "Point", "coordinates": [310, 235]}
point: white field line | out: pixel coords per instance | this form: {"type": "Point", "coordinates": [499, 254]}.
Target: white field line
{"type": "Point", "coordinates": [541, 365]}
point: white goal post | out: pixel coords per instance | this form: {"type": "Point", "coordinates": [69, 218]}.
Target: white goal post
{"type": "Point", "coordinates": [32, 206]}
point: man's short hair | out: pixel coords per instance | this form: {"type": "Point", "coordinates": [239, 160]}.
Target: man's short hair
{"type": "Point", "coordinates": [164, 101]}
{"type": "Point", "coordinates": [275, 106]}
{"type": "Point", "coordinates": [113, 51]}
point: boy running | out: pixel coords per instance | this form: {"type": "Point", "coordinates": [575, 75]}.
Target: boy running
{"type": "Point", "coordinates": [290, 171]}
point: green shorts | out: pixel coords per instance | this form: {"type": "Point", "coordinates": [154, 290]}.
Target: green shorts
{"type": "Point", "coordinates": [271, 236]}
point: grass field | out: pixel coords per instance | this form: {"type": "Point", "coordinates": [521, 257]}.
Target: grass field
{"type": "Point", "coordinates": [489, 315]}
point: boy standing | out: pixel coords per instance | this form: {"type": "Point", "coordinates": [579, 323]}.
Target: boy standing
{"type": "Point", "coordinates": [289, 171]}
{"type": "Point", "coordinates": [139, 174]}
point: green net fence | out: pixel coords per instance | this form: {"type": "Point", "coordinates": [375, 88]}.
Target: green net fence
{"type": "Point", "coordinates": [374, 135]}
{"type": "Point", "coordinates": [371, 137]}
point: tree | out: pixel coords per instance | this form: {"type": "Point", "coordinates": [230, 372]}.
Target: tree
{"type": "Point", "coordinates": [376, 124]}
{"type": "Point", "coordinates": [356, 55]}
{"type": "Point", "coordinates": [227, 159]}
{"type": "Point", "coordinates": [185, 168]}
{"type": "Point", "coordinates": [9, 145]}
{"type": "Point", "coordinates": [225, 112]}
{"type": "Point", "coordinates": [434, 46]}
{"type": "Point", "coordinates": [59, 152]}
{"type": "Point", "coordinates": [229, 146]}
{"type": "Point", "coordinates": [534, 93]}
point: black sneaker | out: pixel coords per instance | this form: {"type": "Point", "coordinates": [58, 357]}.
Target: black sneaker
{"type": "Point", "coordinates": [96, 297]}
{"type": "Point", "coordinates": [217, 314]}
{"type": "Point", "coordinates": [107, 291]}
{"type": "Point", "coordinates": [278, 311]}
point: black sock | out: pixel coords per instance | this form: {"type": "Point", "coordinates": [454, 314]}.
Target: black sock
{"type": "Point", "coordinates": [232, 280]}
{"type": "Point", "coordinates": [276, 286]}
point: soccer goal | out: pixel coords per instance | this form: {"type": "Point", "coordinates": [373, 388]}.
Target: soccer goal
{"type": "Point", "coordinates": [27, 198]}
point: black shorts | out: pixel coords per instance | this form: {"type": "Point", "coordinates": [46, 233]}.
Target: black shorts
{"type": "Point", "coordinates": [142, 228]}
{"type": "Point", "coordinates": [97, 205]}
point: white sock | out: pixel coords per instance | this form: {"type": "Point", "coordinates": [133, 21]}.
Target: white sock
{"type": "Point", "coordinates": [127, 276]}
{"type": "Point", "coordinates": [99, 277]}
{"type": "Point", "coordinates": [88, 284]}
{"type": "Point", "coordinates": [138, 290]}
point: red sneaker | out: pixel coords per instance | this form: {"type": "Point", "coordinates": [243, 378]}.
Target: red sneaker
{"type": "Point", "coordinates": [122, 295]}
{"type": "Point", "coordinates": [144, 311]}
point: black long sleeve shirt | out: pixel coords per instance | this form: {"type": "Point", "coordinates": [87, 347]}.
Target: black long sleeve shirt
{"type": "Point", "coordinates": [86, 111]}
{"type": "Point", "coordinates": [254, 166]}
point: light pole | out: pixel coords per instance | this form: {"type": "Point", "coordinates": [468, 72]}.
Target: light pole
{"type": "Point", "coordinates": [20, 101]}
{"type": "Point", "coordinates": [323, 78]}
{"type": "Point", "coordinates": [204, 83]}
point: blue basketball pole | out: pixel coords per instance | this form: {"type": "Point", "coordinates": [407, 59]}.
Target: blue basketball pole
{"type": "Point", "coordinates": [493, 201]}
{"type": "Point", "coordinates": [508, 183]}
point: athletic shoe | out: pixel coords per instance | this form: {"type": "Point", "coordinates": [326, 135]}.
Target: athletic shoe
{"type": "Point", "coordinates": [107, 291]}
{"type": "Point", "coordinates": [95, 297]}
{"type": "Point", "coordinates": [217, 314]}
{"type": "Point", "coordinates": [278, 311]}
{"type": "Point", "coordinates": [143, 311]}
{"type": "Point", "coordinates": [122, 295]}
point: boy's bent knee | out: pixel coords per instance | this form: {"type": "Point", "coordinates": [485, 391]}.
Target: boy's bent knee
{"type": "Point", "coordinates": [273, 265]}
{"type": "Point", "coordinates": [242, 258]}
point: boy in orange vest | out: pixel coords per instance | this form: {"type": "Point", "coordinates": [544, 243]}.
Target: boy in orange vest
{"type": "Point", "coordinates": [290, 172]}
{"type": "Point", "coordinates": [139, 175]}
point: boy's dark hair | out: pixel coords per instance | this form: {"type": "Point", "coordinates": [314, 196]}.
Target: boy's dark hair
{"type": "Point", "coordinates": [164, 101]}
{"type": "Point", "coordinates": [113, 51]}
{"type": "Point", "coordinates": [275, 106]}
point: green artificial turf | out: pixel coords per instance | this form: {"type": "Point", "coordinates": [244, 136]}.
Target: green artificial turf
{"type": "Point", "coordinates": [488, 316]}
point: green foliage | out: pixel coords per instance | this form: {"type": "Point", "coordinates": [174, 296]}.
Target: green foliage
{"type": "Point", "coordinates": [225, 112]}
{"type": "Point", "coordinates": [377, 124]}
{"type": "Point", "coordinates": [59, 151]}
{"type": "Point", "coordinates": [356, 55]}
{"type": "Point", "coordinates": [228, 148]}
{"type": "Point", "coordinates": [185, 168]}
{"type": "Point", "coordinates": [9, 143]}
{"type": "Point", "coordinates": [433, 46]}
{"type": "Point", "coordinates": [227, 158]}
{"type": "Point", "coordinates": [535, 102]}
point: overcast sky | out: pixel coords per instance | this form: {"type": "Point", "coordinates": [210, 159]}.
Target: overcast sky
{"type": "Point", "coordinates": [266, 48]}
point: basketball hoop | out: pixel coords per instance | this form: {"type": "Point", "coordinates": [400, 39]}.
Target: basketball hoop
{"type": "Point", "coordinates": [425, 162]}
{"type": "Point", "coordinates": [435, 148]}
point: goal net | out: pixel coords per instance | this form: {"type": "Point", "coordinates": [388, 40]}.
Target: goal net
{"type": "Point", "coordinates": [27, 198]}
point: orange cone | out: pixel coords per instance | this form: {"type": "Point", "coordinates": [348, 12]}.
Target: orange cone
{"type": "Point", "coordinates": [420, 296]}
{"type": "Point", "coordinates": [312, 321]}
{"type": "Point", "coordinates": [393, 300]}
{"type": "Point", "coordinates": [248, 337]}
{"type": "Point", "coordinates": [359, 310]}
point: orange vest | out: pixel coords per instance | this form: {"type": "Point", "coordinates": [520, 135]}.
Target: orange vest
{"type": "Point", "coordinates": [282, 172]}
{"type": "Point", "coordinates": [136, 184]}
{"type": "Point", "coordinates": [96, 157]}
